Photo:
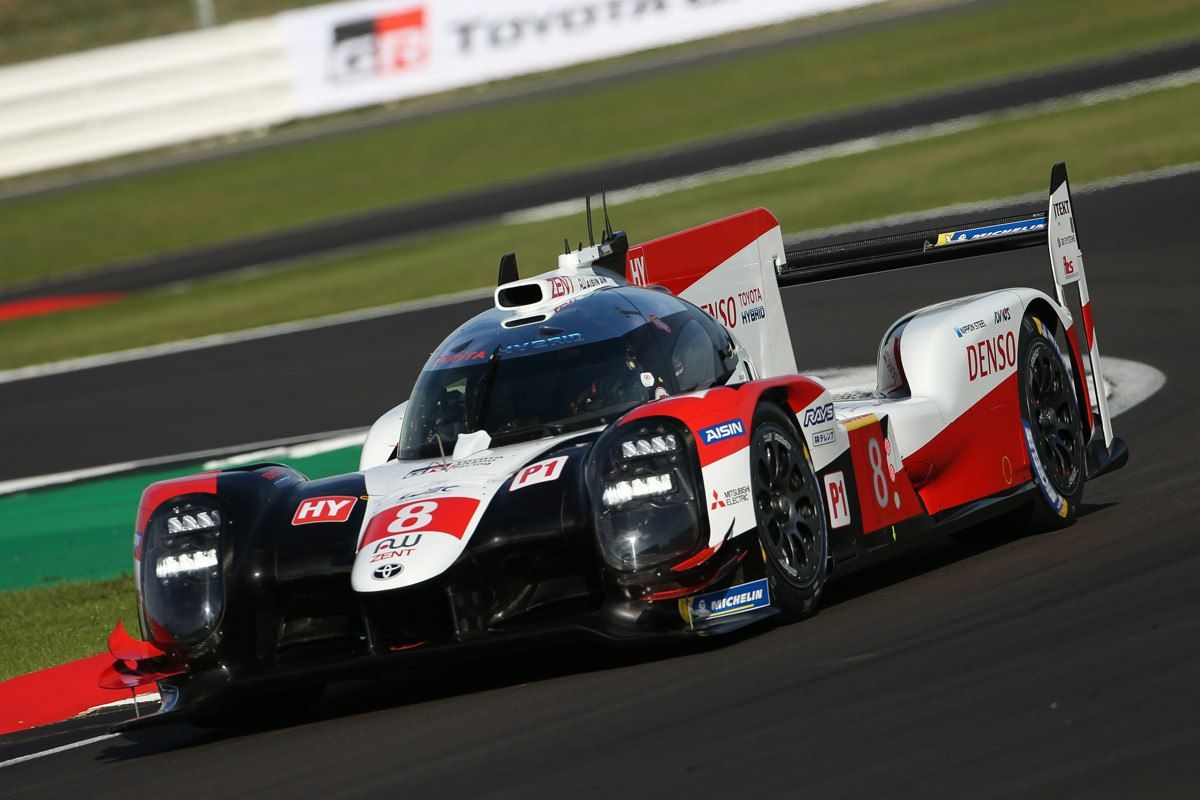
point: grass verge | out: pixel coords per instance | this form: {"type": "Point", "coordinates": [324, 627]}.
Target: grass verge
{"type": "Point", "coordinates": [44, 627]}
{"type": "Point", "coordinates": [77, 229]}
{"type": "Point", "coordinates": [1004, 158]}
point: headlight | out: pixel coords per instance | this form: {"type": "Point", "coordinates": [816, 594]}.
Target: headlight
{"type": "Point", "coordinates": [644, 496]}
{"type": "Point", "coordinates": [620, 492]}
{"type": "Point", "coordinates": [182, 582]}
{"type": "Point", "coordinates": [649, 446]}
{"type": "Point", "coordinates": [186, 563]}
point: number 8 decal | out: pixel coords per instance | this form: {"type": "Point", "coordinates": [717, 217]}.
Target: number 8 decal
{"type": "Point", "coordinates": [413, 516]}
{"type": "Point", "coordinates": [879, 478]}
{"type": "Point", "coordinates": [885, 495]}
{"type": "Point", "coordinates": [449, 515]}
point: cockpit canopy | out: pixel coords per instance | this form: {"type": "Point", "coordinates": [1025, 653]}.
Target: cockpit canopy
{"type": "Point", "coordinates": [583, 365]}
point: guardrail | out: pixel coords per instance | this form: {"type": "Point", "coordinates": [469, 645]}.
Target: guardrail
{"type": "Point", "coordinates": [143, 95]}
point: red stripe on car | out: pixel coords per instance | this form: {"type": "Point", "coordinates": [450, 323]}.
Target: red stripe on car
{"type": "Point", "coordinates": [1088, 329]}
{"type": "Point", "coordinates": [980, 453]}
{"type": "Point", "coordinates": [158, 493]}
{"type": "Point", "coordinates": [702, 411]}
{"type": "Point", "coordinates": [679, 260]}
{"type": "Point", "coordinates": [1077, 366]}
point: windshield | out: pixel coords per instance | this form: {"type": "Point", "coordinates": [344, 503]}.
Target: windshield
{"type": "Point", "coordinates": [561, 387]}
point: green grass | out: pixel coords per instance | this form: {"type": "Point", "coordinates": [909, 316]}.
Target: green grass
{"type": "Point", "coordinates": [43, 627]}
{"type": "Point", "coordinates": [1114, 138]}
{"type": "Point", "coordinates": [82, 228]}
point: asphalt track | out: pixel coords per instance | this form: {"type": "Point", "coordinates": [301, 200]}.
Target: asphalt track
{"type": "Point", "coordinates": [1060, 664]}
{"type": "Point", "coordinates": [444, 213]}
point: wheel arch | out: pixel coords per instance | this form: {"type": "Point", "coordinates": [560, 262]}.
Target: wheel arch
{"type": "Point", "coordinates": [720, 420]}
{"type": "Point", "coordinates": [1039, 305]}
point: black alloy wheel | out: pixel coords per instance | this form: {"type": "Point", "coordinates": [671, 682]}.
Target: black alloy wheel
{"type": "Point", "coordinates": [789, 510]}
{"type": "Point", "coordinates": [1051, 409]}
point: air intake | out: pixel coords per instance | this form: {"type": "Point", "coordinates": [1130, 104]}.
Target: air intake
{"type": "Point", "coordinates": [515, 295]}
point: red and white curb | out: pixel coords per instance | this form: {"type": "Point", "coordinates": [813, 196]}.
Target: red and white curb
{"type": "Point", "coordinates": [57, 694]}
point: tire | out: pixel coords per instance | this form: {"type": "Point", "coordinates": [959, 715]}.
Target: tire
{"type": "Point", "coordinates": [790, 513]}
{"type": "Point", "coordinates": [1052, 428]}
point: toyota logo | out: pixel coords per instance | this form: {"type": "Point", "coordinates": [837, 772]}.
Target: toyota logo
{"type": "Point", "coordinates": [385, 571]}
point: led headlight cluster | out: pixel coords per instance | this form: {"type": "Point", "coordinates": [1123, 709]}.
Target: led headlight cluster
{"type": "Point", "coordinates": [645, 504]}
{"type": "Point", "coordinates": [182, 583]}
{"type": "Point", "coordinates": [641, 484]}
{"type": "Point", "coordinates": [200, 521]}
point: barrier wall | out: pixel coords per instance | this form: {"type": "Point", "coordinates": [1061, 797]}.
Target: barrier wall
{"type": "Point", "coordinates": [252, 75]}
{"type": "Point", "coordinates": [144, 95]}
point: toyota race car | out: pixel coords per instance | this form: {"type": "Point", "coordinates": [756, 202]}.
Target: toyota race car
{"type": "Point", "coordinates": [622, 449]}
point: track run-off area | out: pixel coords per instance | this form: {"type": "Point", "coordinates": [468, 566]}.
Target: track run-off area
{"type": "Point", "coordinates": [1061, 663]}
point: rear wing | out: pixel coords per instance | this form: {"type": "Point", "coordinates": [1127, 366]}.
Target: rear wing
{"type": "Point", "coordinates": [912, 249]}
{"type": "Point", "coordinates": [1053, 228]}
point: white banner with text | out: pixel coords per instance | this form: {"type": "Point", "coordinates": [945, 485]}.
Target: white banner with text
{"type": "Point", "coordinates": [364, 52]}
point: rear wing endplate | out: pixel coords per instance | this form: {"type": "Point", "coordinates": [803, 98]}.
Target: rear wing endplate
{"type": "Point", "coordinates": [1054, 228]}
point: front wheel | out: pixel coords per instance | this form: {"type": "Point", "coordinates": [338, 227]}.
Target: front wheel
{"type": "Point", "coordinates": [1053, 428]}
{"type": "Point", "coordinates": [789, 511]}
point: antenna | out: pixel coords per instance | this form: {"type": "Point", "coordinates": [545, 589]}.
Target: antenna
{"type": "Point", "coordinates": [608, 231]}
{"type": "Point", "coordinates": [566, 247]}
{"type": "Point", "coordinates": [588, 205]}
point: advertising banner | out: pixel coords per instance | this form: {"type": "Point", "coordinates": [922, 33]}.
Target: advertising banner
{"type": "Point", "coordinates": [364, 52]}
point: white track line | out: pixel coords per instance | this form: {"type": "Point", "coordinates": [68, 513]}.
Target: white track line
{"type": "Point", "coordinates": [292, 446]}
{"type": "Point", "coordinates": [305, 450]}
{"type": "Point", "coordinates": [979, 207]}
{"type": "Point", "coordinates": [375, 312]}
{"type": "Point", "coordinates": [865, 144]}
{"type": "Point", "coordinates": [233, 337]}
{"type": "Point", "coordinates": [62, 748]}
{"type": "Point", "coordinates": [396, 309]}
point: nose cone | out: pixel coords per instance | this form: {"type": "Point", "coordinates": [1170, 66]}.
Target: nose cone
{"type": "Point", "coordinates": [410, 541]}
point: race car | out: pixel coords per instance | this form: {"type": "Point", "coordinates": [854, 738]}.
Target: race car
{"type": "Point", "coordinates": [622, 449]}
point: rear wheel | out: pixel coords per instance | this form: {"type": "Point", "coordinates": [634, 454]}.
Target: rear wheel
{"type": "Point", "coordinates": [1053, 427]}
{"type": "Point", "coordinates": [789, 511]}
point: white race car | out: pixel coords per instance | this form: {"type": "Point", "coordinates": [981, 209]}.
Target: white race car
{"type": "Point", "coordinates": [622, 449]}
